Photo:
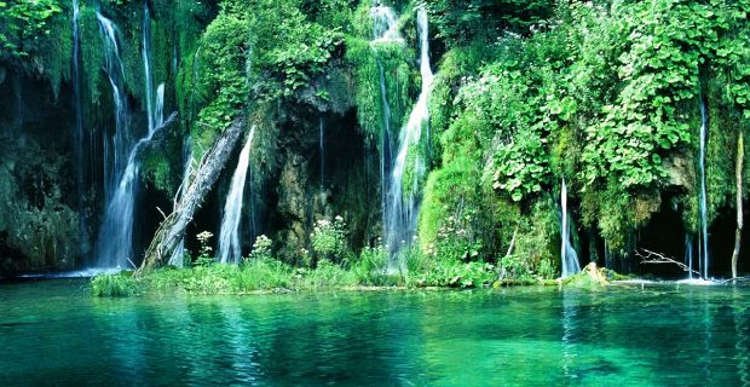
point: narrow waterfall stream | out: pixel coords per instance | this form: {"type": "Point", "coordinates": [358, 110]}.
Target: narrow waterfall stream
{"type": "Point", "coordinates": [230, 244]}
{"type": "Point", "coordinates": [569, 258]}
{"type": "Point", "coordinates": [704, 248]}
{"type": "Point", "coordinates": [402, 207]}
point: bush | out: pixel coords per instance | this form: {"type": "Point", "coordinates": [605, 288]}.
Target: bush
{"type": "Point", "coordinates": [114, 285]}
{"type": "Point", "coordinates": [329, 239]}
{"type": "Point", "coordinates": [261, 248]}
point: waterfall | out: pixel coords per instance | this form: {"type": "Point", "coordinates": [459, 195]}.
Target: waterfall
{"type": "Point", "coordinates": [402, 210]}
{"type": "Point", "coordinates": [78, 135]}
{"type": "Point", "coordinates": [568, 255]}
{"type": "Point", "coordinates": [704, 250]}
{"type": "Point", "coordinates": [115, 243]}
{"type": "Point", "coordinates": [230, 248]}
{"type": "Point", "coordinates": [322, 148]}
{"type": "Point", "coordinates": [385, 30]}
{"type": "Point", "coordinates": [115, 150]}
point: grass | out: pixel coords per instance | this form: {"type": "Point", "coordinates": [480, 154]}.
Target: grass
{"type": "Point", "coordinates": [268, 275]}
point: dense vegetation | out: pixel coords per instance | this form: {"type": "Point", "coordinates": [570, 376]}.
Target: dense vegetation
{"type": "Point", "coordinates": [606, 95]}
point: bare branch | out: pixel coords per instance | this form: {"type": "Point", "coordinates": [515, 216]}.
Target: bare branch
{"type": "Point", "coordinates": [652, 257]}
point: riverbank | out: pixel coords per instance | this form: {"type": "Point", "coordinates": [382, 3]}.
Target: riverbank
{"type": "Point", "coordinates": [270, 276]}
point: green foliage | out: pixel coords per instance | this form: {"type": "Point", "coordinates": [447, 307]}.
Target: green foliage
{"type": "Point", "coordinates": [24, 25]}
{"type": "Point", "coordinates": [459, 21]}
{"type": "Point", "coordinates": [262, 248]}
{"type": "Point", "coordinates": [370, 268]}
{"type": "Point", "coordinates": [114, 285]}
{"type": "Point", "coordinates": [370, 63]}
{"type": "Point", "coordinates": [329, 239]}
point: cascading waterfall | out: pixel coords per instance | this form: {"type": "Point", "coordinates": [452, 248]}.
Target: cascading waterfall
{"type": "Point", "coordinates": [401, 210]}
{"type": "Point", "coordinates": [230, 248]}
{"type": "Point", "coordinates": [115, 242]}
{"type": "Point", "coordinates": [385, 30]}
{"type": "Point", "coordinates": [568, 255]}
{"type": "Point", "coordinates": [704, 250]}
{"type": "Point", "coordinates": [115, 150]}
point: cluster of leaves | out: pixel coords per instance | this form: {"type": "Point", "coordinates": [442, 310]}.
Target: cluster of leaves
{"type": "Point", "coordinates": [461, 21]}
{"type": "Point", "coordinates": [23, 25]}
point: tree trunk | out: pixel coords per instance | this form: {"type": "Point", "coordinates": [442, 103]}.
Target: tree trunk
{"type": "Point", "coordinates": [738, 175]}
{"type": "Point", "coordinates": [172, 229]}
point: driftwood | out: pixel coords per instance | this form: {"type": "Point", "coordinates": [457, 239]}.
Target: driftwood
{"type": "Point", "coordinates": [172, 230]}
{"type": "Point", "coordinates": [651, 257]}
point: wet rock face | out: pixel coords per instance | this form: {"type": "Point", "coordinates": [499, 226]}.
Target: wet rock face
{"type": "Point", "coordinates": [293, 205]}
{"type": "Point", "coordinates": [38, 230]}
{"type": "Point", "coordinates": [39, 224]}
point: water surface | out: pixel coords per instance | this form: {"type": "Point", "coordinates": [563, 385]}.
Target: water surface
{"type": "Point", "coordinates": [54, 332]}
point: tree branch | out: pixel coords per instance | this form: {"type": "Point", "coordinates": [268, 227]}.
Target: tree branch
{"type": "Point", "coordinates": [651, 257]}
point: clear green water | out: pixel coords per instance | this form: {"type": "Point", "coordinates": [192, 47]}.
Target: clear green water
{"type": "Point", "coordinates": [54, 332]}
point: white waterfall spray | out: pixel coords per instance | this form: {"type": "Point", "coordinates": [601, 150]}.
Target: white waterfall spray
{"type": "Point", "coordinates": [704, 250]}
{"type": "Point", "coordinates": [230, 247]}
{"type": "Point", "coordinates": [402, 209]}
{"type": "Point", "coordinates": [569, 258]}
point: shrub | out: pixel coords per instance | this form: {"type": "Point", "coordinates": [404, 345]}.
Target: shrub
{"type": "Point", "coordinates": [261, 248]}
{"type": "Point", "coordinates": [114, 285]}
{"type": "Point", "coordinates": [205, 258]}
{"type": "Point", "coordinates": [329, 239]}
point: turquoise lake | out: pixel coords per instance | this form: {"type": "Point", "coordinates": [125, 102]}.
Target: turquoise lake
{"type": "Point", "coordinates": [55, 332]}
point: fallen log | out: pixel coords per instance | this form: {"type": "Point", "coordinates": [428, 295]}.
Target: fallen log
{"type": "Point", "coordinates": [172, 229]}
